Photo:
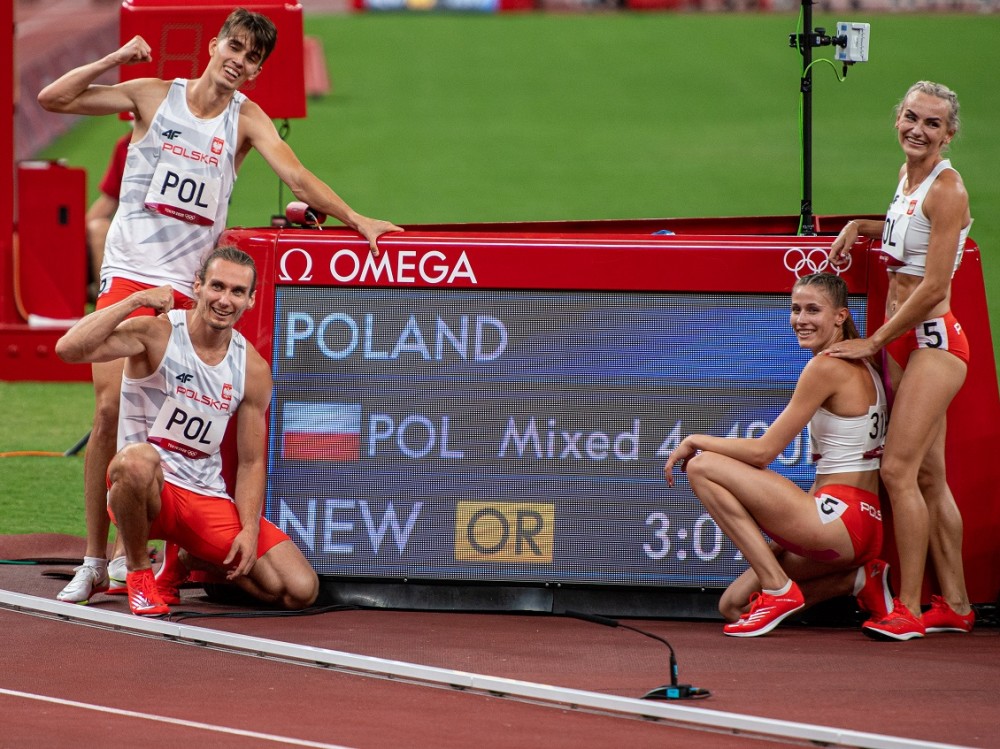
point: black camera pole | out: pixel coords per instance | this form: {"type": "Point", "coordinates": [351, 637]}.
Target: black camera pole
{"type": "Point", "coordinates": [805, 42]}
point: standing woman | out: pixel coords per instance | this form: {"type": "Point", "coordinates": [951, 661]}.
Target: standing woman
{"type": "Point", "coordinates": [923, 234]}
{"type": "Point", "coordinates": [824, 542]}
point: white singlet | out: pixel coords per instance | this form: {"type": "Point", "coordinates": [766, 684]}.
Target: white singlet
{"type": "Point", "coordinates": [907, 231]}
{"type": "Point", "coordinates": [183, 408]}
{"type": "Point", "coordinates": [841, 444]}
{"type": "Point", "coordinates": [175, 194]}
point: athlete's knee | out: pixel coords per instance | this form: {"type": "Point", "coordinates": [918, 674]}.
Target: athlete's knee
{"type": "Point", "coordinates": [286, 576]}
{"type": "Point", "coordinates": [301, 589]}
{"type": "Point", "coordinates": [698, 466]}
{"type": "Point", "coordinates": [136, 466]}
{"type": "Point", "coordinates": [897, 471]}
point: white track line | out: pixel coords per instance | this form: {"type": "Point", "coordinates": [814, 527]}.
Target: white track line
{"type": "Point", "coordinates": [170, 721]}
{"type": "Point", "coordinates": [677, 714]}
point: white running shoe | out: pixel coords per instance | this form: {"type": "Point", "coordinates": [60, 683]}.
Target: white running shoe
{"type": "Point", "coordinates": [87, 581]}
{"type": "Point", "coordinates": [117, 573]}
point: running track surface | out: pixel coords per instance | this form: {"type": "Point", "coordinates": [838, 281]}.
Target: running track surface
{"type": "Point", "coordinates": [66, 684]}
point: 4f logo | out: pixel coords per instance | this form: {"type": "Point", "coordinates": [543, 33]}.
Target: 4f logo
{"type": "Point", "coordinates": [171, 134]}
{"type": "Point", "coordinates": [185, 378]}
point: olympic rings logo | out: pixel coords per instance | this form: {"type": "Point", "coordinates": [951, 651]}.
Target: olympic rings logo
{"type": "Point", "coordinates": [802, 263]}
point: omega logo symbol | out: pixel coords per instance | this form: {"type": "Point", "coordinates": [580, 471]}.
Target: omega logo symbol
{"type": "Point", "coordinates": [305, 275]}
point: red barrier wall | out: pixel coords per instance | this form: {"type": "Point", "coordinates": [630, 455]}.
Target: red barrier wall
{"type": "Point", "coordinates": [179, 32]}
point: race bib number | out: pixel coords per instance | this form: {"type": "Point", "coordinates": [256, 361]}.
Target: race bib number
{"type": "Point", "coordinates": [932, 334]}
{"type": "Point", "coordinates": [878, 426]}
{"type": "Point", "coordinates": [189, 197]}
{"type": "Point", "coordinates": [897, 219]}
{"type": "Point", "coordinates": [181, 429]}
{"type": "Point", "coordinates": [830, 508]}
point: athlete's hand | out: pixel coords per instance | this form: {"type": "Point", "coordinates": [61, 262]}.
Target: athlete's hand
{"type": "Point", "coordinates": [373, 228]}
{"type": "Point", "coordinates": [135, 50]}
{"type": "Point", "coordinates": [678, 458]}
{"type": "Point", "coordinates": [242, 554]}
{"type": "Point", "coordinates": [160, 299]}
{"type": "Point", "coordinates": [855, 348]}
{"type": "Point", "coordinates": [841, 247]}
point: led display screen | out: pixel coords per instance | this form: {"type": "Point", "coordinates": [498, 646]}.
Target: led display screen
{"type": "Point", "coordinates": [514, 435]}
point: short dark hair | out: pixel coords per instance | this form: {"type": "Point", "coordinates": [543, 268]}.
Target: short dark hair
{"type": "Point", "coordinates": [233, 255]}
{"type": "Point", "coordinates": [261, 30]}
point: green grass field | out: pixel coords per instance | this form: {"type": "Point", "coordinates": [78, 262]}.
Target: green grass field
{"type": "Point", "coordinates": [534, 117]}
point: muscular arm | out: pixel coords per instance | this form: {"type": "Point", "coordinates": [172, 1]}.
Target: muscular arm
{"type": "Point", "coordinates": [251, 473]}
{"type": "Point", "coordinates": [816, 385]}
{"type": "Point", "coordinates": [849, 235]}
{"type": "Point", "coordinates": [855, 229]}
{"type": "Point", "coordinates": [258, 131]}
{"type": "Point", "coordinates": [105, 335]}
{"type": "Point", "coordinates": [76, 93]}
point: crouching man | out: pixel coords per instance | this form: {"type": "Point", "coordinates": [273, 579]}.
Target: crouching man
{"type": "Point", "coordinates": [187, 372]}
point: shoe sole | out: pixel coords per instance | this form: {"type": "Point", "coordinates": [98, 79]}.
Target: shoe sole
{"type": "Point", "coordinates": [877, 634]}
{"type": "Point", "coordinates": [766, 628]}
{"type": "Point", "coordinates": [960, 630]}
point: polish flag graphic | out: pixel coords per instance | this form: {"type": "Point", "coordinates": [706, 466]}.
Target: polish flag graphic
{"type": "Point", "coordinates": [321, 431]}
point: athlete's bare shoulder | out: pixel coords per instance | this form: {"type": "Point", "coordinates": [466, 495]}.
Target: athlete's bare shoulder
{"type": "Point", "coordinates": [148, 94]}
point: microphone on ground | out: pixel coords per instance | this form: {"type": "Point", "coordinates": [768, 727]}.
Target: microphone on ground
{"type": "Point", "coordinates": [671, 691]}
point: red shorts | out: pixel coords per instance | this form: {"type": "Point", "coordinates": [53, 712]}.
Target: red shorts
{"type": "Point", "coordinates": [944, 333]}
{"type": "Point", "coordinates": [861, 513]}
{"type": "Point", "coordinates": [115, 289]}
{"type": "Point", "coordinates": [205, 526]}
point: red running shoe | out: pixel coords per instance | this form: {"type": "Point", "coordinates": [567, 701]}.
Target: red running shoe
{"type": "Point", "coordinates": [898, 624]}
{"type": "Point", "coordinates": [172, 575]}
{"type": "Point", "coordinates": [941, 617]}
{"type": "Point", "coordinates": [875, 597]}
{"type": "Point", "coordinates": [143, 597]}
{"type": "Point", "coordinates": [766, 612]}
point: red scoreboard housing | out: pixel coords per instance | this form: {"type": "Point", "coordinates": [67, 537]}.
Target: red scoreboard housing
{"type": "Point", "coordinates": [179, 32]}
{"type": "Point", "coordinates": [494, 402]}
